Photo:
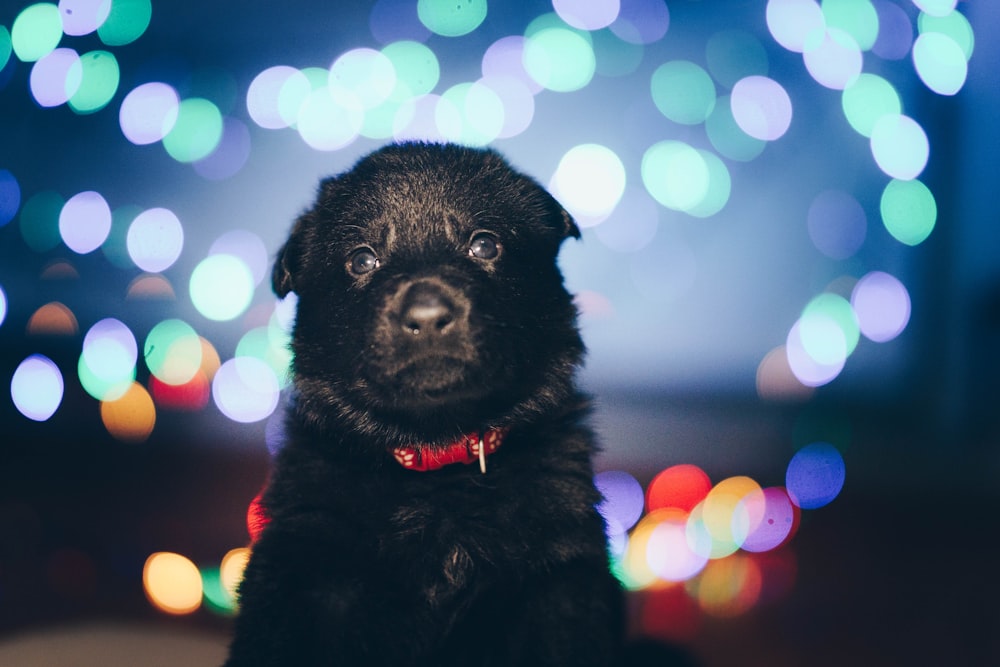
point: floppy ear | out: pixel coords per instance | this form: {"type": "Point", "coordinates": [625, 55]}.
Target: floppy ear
{"type": "Point", "coordinates": [570, 230]}
{"type": "Point", "coordinates": [288, 262]}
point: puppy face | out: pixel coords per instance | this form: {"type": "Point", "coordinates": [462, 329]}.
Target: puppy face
{"type": "Point", "coordinates": [430, 304]}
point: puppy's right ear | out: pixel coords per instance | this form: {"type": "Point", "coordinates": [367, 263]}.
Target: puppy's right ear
{"type": "Point", "coordinates": [288, 262]}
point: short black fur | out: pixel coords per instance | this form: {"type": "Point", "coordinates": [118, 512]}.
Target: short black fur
{"type": "Point", "coordinates": [430, 306]}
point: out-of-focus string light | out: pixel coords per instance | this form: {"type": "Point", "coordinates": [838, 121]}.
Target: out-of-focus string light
{"type": "Point", "coordinates": [53, 319]}
{"type": "Point", "coordinates": [126, 22]}
{"type": "Point", "coordinates": [641, 21]}
{"type": "Point", "coordinates": [100, 76]}
{"type": "Point", "coordinates": [837, 224]}
{"type": "Point", "coordinates": [230, 155]}
{"type": "Point", "coordinates": [909, 211]}
{"type": "Point", "coordinates": [39, 220]}
{"type": "Point", "coordinates": [173, 351]}
{"type": "Point", "coordinates": [221, 287]}
{"type": "Point", "coordinates": [131, 416]}
{"type": "Point", "coordinates": [633, 223]}
{"type": "Point", "coordinates": [882, 305]}
{"type": "Point", "coordinates": [683, 92]}
{"type": "Point", "coordinates": [55, 77]}
{"type": "Point", "coordinates": [558, 57]}
{"type": "Point", "coordinates": [172, 583]}
{"type": "Point", "coordinates": [449, 18]}
{"type": "Point", "coordinates": [899, 146]}
{"type": "Point", "coordinates": [895, 32]}
{"type": "Point", "coordinates": [3, 305]}
{"type": "Point", "coordinates": [10, 197]}
{"type": "Point", "coordinates": [792, 22]}
{"type": "Point", "coordinates": [857, 18]}
{"type": "Point", "coordinates": [589, 181]}
{"type": "Point", "coordinates": [246, 389]}
{"type": "Point", "coordinates": [36, 31]}
{"type": "Point", "coordinates": [107, 365]}
{"type": "Point", "coordinates": [953, 25]}
{"type": "Point", "coordinates": [940, 62]}
{"type": "Point", "coordinates": [833, 58]}
{"type": "Point", "coordinates": [866, 100]}
{"type": "Point", "coordinates": [761, 107]}
{"type": "Point", "coordinates": [732, 55]}
{"type": "Point", "coordinates": [936, 7]}
{"type": "Point", "coordinates": [196, 132]}
{"type": "Point", "coordinates": [85, 222]}
{"type": "Point", "coordinates": [726, 135]}
{"type": "Point", "coordinates": [37, 387]}
{"type": "Point", "coordinates": [148, 113]}
{"type": "Point", "coordinates": [470, 114]}
{"type": "Point", "coordinates": [155, 239]}
{"type": "Point", "coordinates": [587, 14]}
{"type": "Point", "coordinates": [82, 17]}
{"type": "Point", "coordinates": [815, 475]}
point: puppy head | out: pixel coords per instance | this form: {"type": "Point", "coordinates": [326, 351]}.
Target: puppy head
{"type": "Point", "coordinates": [430, 304]}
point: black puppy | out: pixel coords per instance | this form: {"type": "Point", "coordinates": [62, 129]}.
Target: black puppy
{"type": "Point", "coordinates": [434, 504]}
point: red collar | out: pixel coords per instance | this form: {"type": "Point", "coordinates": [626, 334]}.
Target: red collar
{"type": "Point", "coordinates": [472, 447]}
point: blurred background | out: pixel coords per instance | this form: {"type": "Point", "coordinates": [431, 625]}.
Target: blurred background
{"type": "Point", "coordinates": [788, 283]}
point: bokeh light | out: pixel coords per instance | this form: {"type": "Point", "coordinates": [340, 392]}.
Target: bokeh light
{"type": "Point", "coordinates": [899, 146]}
{"type": "Point", "coordinates": [732, 55]}
{"type": "Point", "coordinates": [108, 362]}
{"type": "Point", "coordinates": [53, 319]}
{"type": "Point", "coordinates": [587, 14]}
{"type": "Point", "coordinates": [633, 224]}
{"type": "Point", "coordinates": [815, 475]}
{"type": "Point", "coordinates": [833, 58]}
{"type": "Point", "coordinates": [98, 83]}
{"type": "Point", "coordinates": [56, 77]}
{"type": "Point", "coordinates": [470, 114]}
{"type": "Point", "coordinates": [589, 182]}
{"type": "Point", "coordinates": [221, 287]}
{"type": "Point", "coordinates": [417, 69]}
{"type": "Point", "coordinates": [85, 222]}
{"type": "Point", "coordinates": [791, 22]}
{"type": "Point", "coordinates": [270, 345]}
{"type": "Point", "coordinates": [641, 21]}
{"type": "Point", "coordinates": [727, 137]}
{"type": "Point", "coordinates": [10, 197]}
{"type": "Point", "coordinates": [729, 587]}
{"type": "Point", "coordinates": [367, 74]}
{"type": "Point", "coordinates": [719, 187]}
{"type": "Point", "coordinates": [196, 132]}
{"type": "Point", "coordinates": [3, 305]}
{"type": "Point", "coordinates": [234, 563]}
{"type": "Point", "coordinates": [866, 100]}
{"type": "Point", "coordinates": [623, 499]}
{"type": "Point", "coordinates": [248, 247]}
{"type": "Point", "coordinates": [330, 119]}
{"type": "Point", "coordinates": [683, 92]}
{"type": "Point", "coordinates": [954, 25]}
{"type": "Point", "coordinates": [857, 18]}
{"type": "Point", "coordinates": [909, 211]}
{"type": "Point", "coordinates": [245, 389]}
{"type": "Point", "coordinates": [36, 31]}
{"type": "Point", "coordinates": [451, 18]}
{"type": "Point", "coordinates": [126, 22]}
{"type": "Point", "coordinates": [275, 95]}
{"type": "Point", "coordinates": [837, 224]}
{"type": "Point", "coordinates": [821, 314]}
{"type": "Point", "coordinates": [940, 62]}
{"type": "Point", "coordinates": [823, 334]}
{"type": "Point", "coordinates": [39, 220]}
{"type": "Point", "coordinates": [669, 553]}
{"type": "Point", "coordinates": [895, 32]}
{"type": "Point", "coordinates": [230, 155]}
{"type": "Point", "coordinates": [775, 380]}
{"type": "Point", "coordinates": [392, 20]}
{"type": "Point", "coordinates": [148, 113]}
{"type": "Point", "coordinates": [37, 388]}
{"type": "Point", "coordinates": [173, 352]}
{"type": "Point", "coordinates": [681, 486]}
{"type": "Point", "coordinates": [130, 417]}
{"type": "Point", "coordinates": [936, 7]}
{"type": "Point", "coordinates": [675, 174]}
{"type": "Point", "coordinates": [172, 583]}
{"type": "Point", "coordinates": [155, 239]}
{"type": "Point", "coordinates": [717, 513]}
{"type": "Point", "coordinates": [882, 305]}
{"type": "Point", "coordinates": [82, 17]}
{"type": "Point", "coordinates": [558, 58]}
{"type": "Point", "coordinates": [761, 107]}
{"type": "Point", "coordinates": [764, 520]}
{"type": "Point", "coordinates": [504, 58]}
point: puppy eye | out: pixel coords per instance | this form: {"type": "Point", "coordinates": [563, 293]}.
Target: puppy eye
{"type": "Point", "coordinates": [484, 246]}
{"type": "Point", "coordinates": [362, 261]}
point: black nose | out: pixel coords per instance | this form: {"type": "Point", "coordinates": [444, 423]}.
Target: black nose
{"type": "Point", "coordinates": [426, 310]}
